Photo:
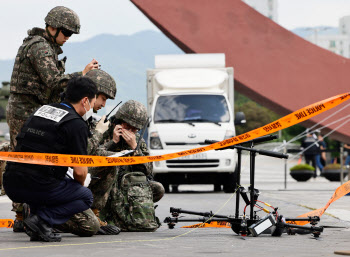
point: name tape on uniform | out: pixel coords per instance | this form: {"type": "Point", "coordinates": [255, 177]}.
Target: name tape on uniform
{"type": "Point", "coordinates": [95, 161]}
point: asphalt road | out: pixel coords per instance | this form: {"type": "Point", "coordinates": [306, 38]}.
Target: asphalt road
{"type": "Point", "coordinates": [296, 199]}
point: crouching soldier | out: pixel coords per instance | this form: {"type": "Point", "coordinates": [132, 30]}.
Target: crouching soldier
{"type": "Point", "coordinates": [113, 186]}
{"type": "Point", "coordinates": [86, 223]}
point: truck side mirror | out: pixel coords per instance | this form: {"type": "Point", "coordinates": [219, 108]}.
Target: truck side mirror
{"type": "Point", "coordinates": [240, 118]}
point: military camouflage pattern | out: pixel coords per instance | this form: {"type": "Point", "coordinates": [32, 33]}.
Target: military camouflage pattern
{"type": "Point", "coordinates": [117, 198]}
{"type": "Point", "coordinates": [83, 224]}
{"type": "Point", "coordinates": [63, 17]}
{"type": "Point", "coordinates": [104, 82]}
{"type": "Point", "coordinates": [132, 112]}
{"type": "Point", "coordinates": [95, 140]}
{"type": "Point", "coordinates": [130, 206]}
{"type": "Point", "coordinates": [4, 147]}
{"type": "Point", "coordinates": [37, 79]}
{"type": "Point", "coordinates": [102, 180]}
{"type": "Point", "coordinates": [38, 73]}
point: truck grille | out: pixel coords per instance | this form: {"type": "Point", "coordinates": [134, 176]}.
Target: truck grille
{"type": "Point", "coordinates": [210, 163]}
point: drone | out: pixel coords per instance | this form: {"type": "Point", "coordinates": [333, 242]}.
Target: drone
{"type": "Point", "coordinates": [273, 223]}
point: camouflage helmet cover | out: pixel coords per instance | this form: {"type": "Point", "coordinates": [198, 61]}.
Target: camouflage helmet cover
{"type": "Point", "coordinates": [132, 112]}
{"type": "Point", "coordinates": [63, 17]}
{"type": "Point", "coordinates": [104, 82]}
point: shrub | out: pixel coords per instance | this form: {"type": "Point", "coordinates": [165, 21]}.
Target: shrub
{"type": "Point", "coordinates": [302, 167]}
{"type": "Point", "coordinates": [333, 166]}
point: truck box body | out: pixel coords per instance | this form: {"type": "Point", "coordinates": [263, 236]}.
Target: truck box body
{"type": "Point", "coordinates": [190, 98]}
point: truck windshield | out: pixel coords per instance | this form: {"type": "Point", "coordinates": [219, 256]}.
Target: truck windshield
{"type": "Point", "coordinates": [191, 108]}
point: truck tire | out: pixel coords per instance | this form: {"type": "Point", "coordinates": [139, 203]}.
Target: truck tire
{"type": "Point", "coordinates": [174, 188]}
{"type": "Point", "coordinates": [230, 183]}
{"type": "Point", "coordinates": [217, 187]}
{"type": "Point", "coordinates": [166, 187]}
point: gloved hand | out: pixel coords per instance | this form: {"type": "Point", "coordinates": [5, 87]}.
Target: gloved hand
{"type": "Point", "coordinates": [101, 125]}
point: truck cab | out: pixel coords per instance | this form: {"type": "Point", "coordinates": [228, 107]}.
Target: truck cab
{"type": "Point", "coordinates": [191, 99]}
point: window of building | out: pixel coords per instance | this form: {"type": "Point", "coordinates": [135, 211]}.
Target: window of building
{"type": "Point", "coordinates": [332, 43]}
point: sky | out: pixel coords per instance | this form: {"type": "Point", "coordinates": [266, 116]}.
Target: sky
{"type": "Point", "coordinates": [122, 17]}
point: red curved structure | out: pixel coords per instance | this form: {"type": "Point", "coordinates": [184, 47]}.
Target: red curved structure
{"type": "Point", "coordinates": [273, 66]}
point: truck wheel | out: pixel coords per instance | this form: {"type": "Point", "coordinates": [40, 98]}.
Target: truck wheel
{"type": "Point", "coordinates": [174, 188]}
{"type": "Point", "coordinates": [230, 183]}
{"type": "Point", "coordinates": [166, 187]}
{"type": "Point", "coordinates": [217, 187]}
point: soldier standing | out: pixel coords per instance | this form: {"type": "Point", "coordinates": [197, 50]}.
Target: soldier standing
{"type": "Point", "coordinates": [38, 75]}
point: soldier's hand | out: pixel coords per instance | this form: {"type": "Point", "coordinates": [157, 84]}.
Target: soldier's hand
{"type": "Point", "coordinates": [102, 126]}
{"type": "Point", "coordinates": [117, 132]}
{"type": "Point", "coordinates": [130, 138]}
{"type": "Point", "coordinates": [91, 66]}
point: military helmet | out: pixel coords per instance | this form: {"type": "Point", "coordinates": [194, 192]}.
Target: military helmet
{"type": "Point", "coordinates": [63, 17]}
{"type": "Point", "coordinates": [104, 82]}
{"type": "Point", "coordinates": [132, 112]}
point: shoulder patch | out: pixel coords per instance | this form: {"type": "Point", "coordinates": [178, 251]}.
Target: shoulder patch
{"type": "Point", "coordinates": [40, 49]}
{"type": "Point", "coordinates": [51, 113]}
{"type": "Point", "coordinates": [44, 52]}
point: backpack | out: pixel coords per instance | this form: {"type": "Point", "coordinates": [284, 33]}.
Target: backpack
{"type": "Point", "coordinates": [135, 200]}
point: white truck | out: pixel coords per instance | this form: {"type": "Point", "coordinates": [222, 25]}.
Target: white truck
{"type": "Point", "coordinates": [190, 98]}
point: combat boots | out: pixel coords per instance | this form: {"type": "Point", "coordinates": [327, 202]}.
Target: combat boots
{"type": "Point", "coordinates": [105, 228]}
{"type": "Point", "coordinates": [18, 224]}
{"type": "Point", "coordinates": [39, 230]}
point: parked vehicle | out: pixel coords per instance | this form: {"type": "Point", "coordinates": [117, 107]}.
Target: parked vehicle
{"type": "Point", "coordinates": [190, 98]}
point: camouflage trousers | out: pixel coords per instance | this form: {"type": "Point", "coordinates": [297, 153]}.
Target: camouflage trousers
{"type": "Point", "coordinates": [109, 213]}
{"type": "Point", "coordinates": [103, 185]}
{"type": "Point", "coordinates": [4, 147]}
{"type": "Point", "coordinates": [83, 224]}
{"type": "Point", "coordinates": [18, 110]}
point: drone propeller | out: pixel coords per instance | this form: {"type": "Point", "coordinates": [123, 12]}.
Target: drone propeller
{"type": "Point", "coordinates": [334, 227]}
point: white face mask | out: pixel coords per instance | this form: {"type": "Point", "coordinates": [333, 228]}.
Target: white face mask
{"type": "Point", "coordinates": [88, 113]}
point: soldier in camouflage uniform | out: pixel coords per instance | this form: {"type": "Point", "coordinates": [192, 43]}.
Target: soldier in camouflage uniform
{"type": "Point", "coordinates": [87, 223]}
{"type": "Point", "coordinates": [38, 75]}
{"type": "Point", "coordinates": [120, 136]}
{"type": "Point", "coordinates": [107, 89]}
{"type": "Point", "coordinates": [130, 118]}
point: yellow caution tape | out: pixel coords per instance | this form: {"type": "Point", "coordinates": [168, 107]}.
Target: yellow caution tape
{"type": "Point", "coordinates": [94, 161]}
{"type": "Point", "coordinates": [212, 224]}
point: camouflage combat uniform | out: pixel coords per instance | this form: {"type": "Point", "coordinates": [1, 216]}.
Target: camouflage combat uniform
{"type": "Point", "coordinates": [37, 79]}
{"type": "Point", "coordinates": [110, 200]}
{"type": "Point", "coordinates": [104, 182]}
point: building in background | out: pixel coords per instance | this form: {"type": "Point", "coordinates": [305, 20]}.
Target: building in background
{"type": "Point", "coordinates": [265, 7]}
{"type": "Point", "coordinates": [336, 40]}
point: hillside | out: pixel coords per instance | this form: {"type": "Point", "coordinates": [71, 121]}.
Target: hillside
{"type": "Point", "coordinates": [125, 57]}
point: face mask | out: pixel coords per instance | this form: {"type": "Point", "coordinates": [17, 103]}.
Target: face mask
{"type": "Point", "coordinates": [88, 113]}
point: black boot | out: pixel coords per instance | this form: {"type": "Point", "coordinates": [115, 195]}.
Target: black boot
{"type": "Point", "coordinates": [108, 230]}
{"type": "Point", "coordinates": [18, 224]}
{"type": "Point", "coordinates": [38, 228]}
